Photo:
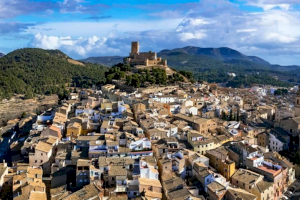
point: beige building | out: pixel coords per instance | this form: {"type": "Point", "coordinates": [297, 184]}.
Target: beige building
{"type": "Point", "coordinates": [216, 191]}
{"type": "Point", "coordinates": [3, 173]}
{"type": "Point", "coordinates": [151, 187]}
{"type": "Point", "coordinates": [42, 156]}
{"type": "Point", "coordinates": [201, 125]}
{"type": "Point", "coordinates": [253, 183]}
{"type": "Point", "coordinates": [74, 130]}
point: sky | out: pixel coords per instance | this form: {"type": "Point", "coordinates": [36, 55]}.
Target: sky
{"type": "Point", "coordinates": [269, 29]}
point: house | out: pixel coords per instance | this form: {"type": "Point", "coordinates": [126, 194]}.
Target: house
{"type": "Point", "coordinates": [151, 188]}
{"type": "Point", "coordinates": [200, 143]}
{"type": "Point", "coordinates": [237, 194]}
{"type": "Point", "coordinates": [83, 172]}
{"type": "Point", "coordinates": [279, 140]}
{"type": "Point", "coordinates": [253, 183]}
{"type": "Point", "coordinates": [220, 160]}
{"type": "Point", "coordinates": [107, 88]}
{"type": "Point", "coordinates": [3, 173]}
{"type": "Point", "coordinates": [42, 156]}
{"type": "Point", "coordinates": [201, 172]}
{"type": "Point", "coordinates": [216, 191]}
{"type": "Point", "coordinates": [172, 185]}
{"type": "Point", "coordinates": [117, 177]}
{"type": "Point", "coordinates": [74, 130]}
{"type": "Point", "coordinates": [90, 191]}
{"type": "Point", "coordinates": [53, 131]}
{"type": "Point", "coordinates": [201, 125]}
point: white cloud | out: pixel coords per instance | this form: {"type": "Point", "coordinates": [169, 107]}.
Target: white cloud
{"type": "Point", "coordinates": [271, 4]}
{"type": "Point", "coordinates": [270, 33]}
{"type": "Point", "coordinates": [80, 46]}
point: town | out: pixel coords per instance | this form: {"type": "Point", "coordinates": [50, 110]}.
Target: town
{"type": "Point", "coordinates": [179, 142]}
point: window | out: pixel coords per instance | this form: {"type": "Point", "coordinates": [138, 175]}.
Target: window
{"type": "Point", "coordinates": [41, 161]}
{"type": "Point", "coordinates": [244, 184]}
{"type": "Point", "coordinates": [249, 186]}
{"type": "Point", "coordinates": [237, 182]}
{"type": "Point", "coordinates": [80, 180]}
{"type": "Point", "coordinates": [35, 161]}
{"type": "Point", "coordinates": [41, 154]}
{"type": "Point", "coordinates": [225, 170]}
{"type": "Point", "coordinates": [112, 178]}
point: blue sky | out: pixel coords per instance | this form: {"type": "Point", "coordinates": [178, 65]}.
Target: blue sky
{"type": "Point", "coordinates": [82, 28]}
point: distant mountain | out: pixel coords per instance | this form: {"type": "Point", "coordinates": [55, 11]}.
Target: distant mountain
{"type": "Point", "coordinates": [1, 55]}
{"type": "Point", "coordinates": [104, 60]}
{"type": "Point", "coordinates": [221, 54]}
{"type": "Point", "coordinates": [213, 65]}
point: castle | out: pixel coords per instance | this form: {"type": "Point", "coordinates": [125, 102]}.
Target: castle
{"type": "Point", "coordinates": [143, 58]}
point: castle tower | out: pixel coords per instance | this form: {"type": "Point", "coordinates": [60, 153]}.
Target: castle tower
{"type": "Point", "coordinates": [135, 47]}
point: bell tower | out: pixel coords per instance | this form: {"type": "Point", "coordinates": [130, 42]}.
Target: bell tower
{"type": "Point", "coordinates": [297, 104]}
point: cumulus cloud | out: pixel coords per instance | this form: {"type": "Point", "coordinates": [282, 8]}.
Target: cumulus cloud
{"type": "Point", "coordinates": [213, 23]}
{"type": "Point", "coordinates": [271, 4]}
{"type": "Point", "coordinates": [79, 46]}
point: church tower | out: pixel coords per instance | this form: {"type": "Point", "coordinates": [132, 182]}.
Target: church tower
{"type": "Point", "coordinates": [297, 104]}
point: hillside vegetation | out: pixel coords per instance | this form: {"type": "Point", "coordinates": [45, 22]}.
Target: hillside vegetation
{"type": "Point", "coordinates": [145, 77]}
{"type": "Point", "coordinates": [35, 71]}
{"type": "Point", "coordinates": [105, 60]}
{"type": "Point", "coordinates": [215, 69]}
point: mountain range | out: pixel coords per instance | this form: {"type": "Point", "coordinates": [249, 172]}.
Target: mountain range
{"type": "Point", "coordinates": [222, 54]}
{"type": "Point", "coordinates": [213, 65]}
{"type": "Point", "coordinates": [1, 54]}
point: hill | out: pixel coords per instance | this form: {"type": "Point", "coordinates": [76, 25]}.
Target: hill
{"type": "Point", "coordinates": [1, 55]}
{"type": "Point", "coordinates": [213, 65]}
{"type": "Point", "coordinates": [222, 54]}
{"type": "Point", "coordinates": [145, 76]}
{"type": "Point", "coordinates": [32, 71]}
{"type": "Point", "coordinates": [104, 60]}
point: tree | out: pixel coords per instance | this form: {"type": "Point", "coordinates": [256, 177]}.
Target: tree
{"type": "Point", "coordinates": [238, 115]}
{"type": "Point", "coordinates": [231, 117]}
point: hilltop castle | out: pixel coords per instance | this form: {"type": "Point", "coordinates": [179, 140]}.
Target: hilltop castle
{"type": "Point", "coordinates": [143, 58]}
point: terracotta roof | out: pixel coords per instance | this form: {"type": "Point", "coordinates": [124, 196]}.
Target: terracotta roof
{"type": "Point", "coordinates": [55, 128]}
